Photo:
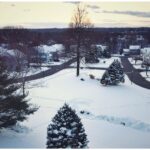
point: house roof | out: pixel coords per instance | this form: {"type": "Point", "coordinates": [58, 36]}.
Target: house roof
{"type": "Point", "coordinates": [15, 52]}
{"type": "Point", "coordinates": [145, 50]}
{"type": "Point", "coordinates": [126, 50]}
{"type": "Point", "coordinates": [134, 47]}
{"type": "Point", "coordinates": [50, 49]}
{"type": "Point", "coordinates": [11, 53]}
{"type": "Point", "coordinates": [102, 47]}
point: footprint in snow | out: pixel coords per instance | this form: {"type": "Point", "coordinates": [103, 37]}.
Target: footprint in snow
{"type": "Point", "coordinates": [127, 122]}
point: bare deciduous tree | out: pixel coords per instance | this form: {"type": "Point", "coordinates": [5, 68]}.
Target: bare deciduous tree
{"type": "Point", "coordinates": [79, 23]}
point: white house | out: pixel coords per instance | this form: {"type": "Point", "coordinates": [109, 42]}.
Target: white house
{"type": "Point", "coordinates": [99, 48]}
{"type": "Point", "coordinates": [134, 49]}
{"type": "Point", "coordinates": [126, 52]}
{"type": "Point", "coordinates": [46, 51]}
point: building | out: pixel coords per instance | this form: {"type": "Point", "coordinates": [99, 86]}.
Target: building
{"type": "Point", "coordinates": [13, 58]}
{"type": "Point", "coordinates": [134, 49]}
{"type": "Point", "coordinates": [126, 52]}
{"type": "Point", "coordinates": [145, 50]}
{"type": "Point", "coordinates": [46, 53]}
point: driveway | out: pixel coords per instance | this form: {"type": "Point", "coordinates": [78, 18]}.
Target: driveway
{"type": "Point", "coordinates": [134, 74]}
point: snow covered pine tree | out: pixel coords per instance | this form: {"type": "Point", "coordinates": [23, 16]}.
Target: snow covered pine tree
{"type": "Point", "coordinates": [114, 75]}
{"type": "Point", "coordinates": [66, 130]}
{"type": "Point", "coordinates": [13, 106]}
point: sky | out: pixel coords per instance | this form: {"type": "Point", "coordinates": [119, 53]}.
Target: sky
{"type": "Point", "coordinates": [58, 14]}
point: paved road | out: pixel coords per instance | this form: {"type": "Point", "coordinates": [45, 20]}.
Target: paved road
{"type": "Point", "coordinates": [134, 74]}
{"type": "Point", "coordinates": [48, 72]}
{"type": "Point", "coordinates": [97, 68]}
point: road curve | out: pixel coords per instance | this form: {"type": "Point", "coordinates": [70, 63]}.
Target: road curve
{"type": "Point", "coordinates": [134, 74]}
{"type": "Point", "coordinates": [51, 71]}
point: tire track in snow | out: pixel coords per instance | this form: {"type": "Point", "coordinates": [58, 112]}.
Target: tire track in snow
{"type": "Point", "coordinates": [126, 122]}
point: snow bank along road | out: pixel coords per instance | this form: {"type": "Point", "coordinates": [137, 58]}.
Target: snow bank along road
{"type": "Point", "coordinates": [133, 74]}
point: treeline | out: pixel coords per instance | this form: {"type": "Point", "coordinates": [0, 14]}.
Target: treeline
{"type": "Point", "coordinates": [12, 34]}
{"type": "Point", "coordinates": [106, 36]}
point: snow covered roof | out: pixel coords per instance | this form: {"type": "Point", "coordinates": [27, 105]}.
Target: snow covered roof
{"type": "Point", "coordinates": [2, 51]}
{"type": "Point", "coordinates": [126, 50]}
{"type": "Point", "coordinates": [12, 52]}
{"type": "Point", "coordinates": [140, 37]}
{"type": "Point", "coordinates": [145, 50]}
{"type": "Point", "coordinates": [15, 52]}
{"type": "Point", "coordinates": [102, 47]}
{"type": "Point", "coordinates": [50, 49]}
{"type": "Point", "coordinates": [134, 47]}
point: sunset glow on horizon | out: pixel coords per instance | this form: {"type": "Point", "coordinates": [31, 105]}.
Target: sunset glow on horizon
{"type": "Point", "coordinates": [58, 14]}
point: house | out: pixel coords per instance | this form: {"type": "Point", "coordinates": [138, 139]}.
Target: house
{"type": "Point", "coordinates": [126, 52]}
{"type": "Point", "coordinates": [55, 56]}
{"type": "Point", "coordinates": [37, 55]}
{"type": "Point", "coordinates": [46, 53]}
{"type": "Point", "coordinates": [101, 50]}
{"type": "Point", "coordinates": [14, 59]}
{"type": "Point", "coordinates": [145, 50]}
{"type": "Point", "coordinates": [139, 38]}
{"type": "Point", "coordinates": [134, 49]}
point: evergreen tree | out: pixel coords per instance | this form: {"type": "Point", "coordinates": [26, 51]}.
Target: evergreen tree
{"type": "Point", "coordinates": [13, 106]}
{"type": "Point", "coordinates": [66, 130]}
{"type": "Point", "coordinates": [114, 75]}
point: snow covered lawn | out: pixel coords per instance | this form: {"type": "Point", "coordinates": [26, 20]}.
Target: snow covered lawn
{"type": "Point", "coordinates": [115, 116]}
{"type": "Point", "coordinates": [103, 63]}
{"type": "Point", "coordinates": [30, 71]}
{"type": "Point", "coordinates": [34, 70]}
{"type": "Point", "coordinates": [137, 65]}
{"type": "Point", "coordinates": [143, 74]}
{"type": "Point", "coordinates": [52, 63]}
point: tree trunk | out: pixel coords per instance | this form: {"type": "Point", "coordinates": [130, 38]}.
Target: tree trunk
{"type": "Point", "coordinates": [78, 56]}
{"type": "Point", "coordinates": [23, 86]}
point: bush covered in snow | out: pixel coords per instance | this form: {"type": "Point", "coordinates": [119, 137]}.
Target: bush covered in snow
{"type": "Point", "coordinates": [66, 130]}
{"type": "Point", "coordinates": [114, 75]}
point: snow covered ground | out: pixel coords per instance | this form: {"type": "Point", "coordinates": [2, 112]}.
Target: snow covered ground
{"type": "Point", "coordinates": [143, 74]}
{"type": "Point", "coordinates": [52, 63]}
{"type": "Point", "coordinates": [119, 116]}
{"type": "Point", "coordinates": [34, 70]}
{"type": "Point", "coordinates": [30, 71]}
{"type": "Point", "coordinates": [103, 63]}
{"type": "Point", "coordinates": [137, 65]}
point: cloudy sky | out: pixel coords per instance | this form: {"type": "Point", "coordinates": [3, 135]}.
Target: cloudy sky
{"type": "Point", "coordinates": [58, 14]}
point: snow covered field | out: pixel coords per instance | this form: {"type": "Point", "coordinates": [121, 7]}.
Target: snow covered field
{"type": "Point", "coordinates": [119, 116]}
